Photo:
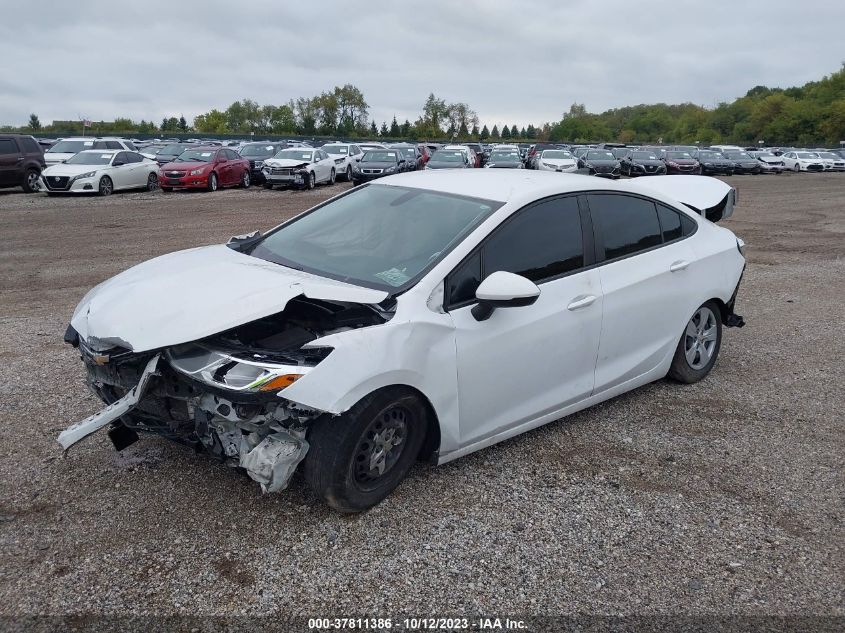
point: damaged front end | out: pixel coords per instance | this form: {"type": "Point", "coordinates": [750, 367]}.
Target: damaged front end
{"type": "Point", "coordinates": [224, 394]}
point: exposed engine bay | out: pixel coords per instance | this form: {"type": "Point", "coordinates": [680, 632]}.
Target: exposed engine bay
{"type": "Point", "coordinates": [222, 394]}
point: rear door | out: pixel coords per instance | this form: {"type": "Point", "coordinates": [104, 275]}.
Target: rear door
{"type": "Point", "coordinates": [647, 271]}
{"type": "Point", "coordinates": [11, 161]}
{"type": "Point", "coordinates": [525, 362]}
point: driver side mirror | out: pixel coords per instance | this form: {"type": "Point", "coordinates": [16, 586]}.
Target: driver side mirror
{"type": "Point", "coordinates": [503, 290]}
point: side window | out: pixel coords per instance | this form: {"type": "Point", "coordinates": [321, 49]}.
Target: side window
{"type": "Point", "coordinates": [29, 145]}
{"type": "Point", "coordinates": [464, 281]}
{"type": "Point", "coordinates": [539, 242]}
{"type": "Point", "coordinates": [627, 224]}
{"type": "Point", "coordinates": [670, 223]}
{"type": "Point", "coordinates": [113, 145]}
{"type": "Point", "coordinates": [133, 157]}
{"type": "Point", "coordinates": [130, 145]}
{"type": "Point", "coordinates": [8, 146]}
{"type": "Point", "coordinates": [121, 157]}
{"type": "Point", "coordinates": [101, 145]}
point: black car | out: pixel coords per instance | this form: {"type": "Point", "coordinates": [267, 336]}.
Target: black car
{"type": "Point", "coordinates": [744, 163]}
{"type": "Point", "coordinates": [256, 154]}
{"type": "Point", "coordinates": [714, 163]}
{"type": "Point", "coordinates": [448, 159]}
{"type": "Point", "coordinates": [600, 162]}
{"type": "Point", "coordinates": [504, 159]}
{"type": "Point", "coordinates": [169, 152]}
{"type": "Point", "coordinates": [641, 163]}
{"type": "Point", "coordinates": [21, 162]}
{"type": "Point", "coordinates": [412, 155]}
{"type": "Point", "coordinates": [376, 163]}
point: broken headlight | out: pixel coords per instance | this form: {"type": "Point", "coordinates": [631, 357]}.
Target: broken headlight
{"type": "Point", "coordinates": [234, 372]}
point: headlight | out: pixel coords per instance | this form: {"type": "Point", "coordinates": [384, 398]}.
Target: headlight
{"type": "Point", "coordinates": [87, 174]}
{"type": "Point", "coordinates": [197, 172]}
{"type": "Point", "coordinates": [708, 164]}
{"type": "Point", "coordinates": [389, 170]}
{"type": "Point", "coordinates": [230, 372]}
{"type": "Point", "coordinates": [549, 165]}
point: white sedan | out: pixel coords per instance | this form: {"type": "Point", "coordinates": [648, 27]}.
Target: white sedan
{"type": "Point", "coordinates": [557, 160]}
{"type": "Point", "coordinates": [102, 172]}
{"type": "Point", "coordinates": [426, 315]}
{"type": "Point", "coordinates": [345, 156]}
{"type": "Point", "coordinates": [301, 167]}
{"type": "Point", "coordinates": [803, 161]}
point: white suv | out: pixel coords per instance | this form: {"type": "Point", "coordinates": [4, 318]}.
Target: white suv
{"type": "Point", "coordinates": [345, 155]}
{"type": "Point", "coordinates": [67, 147]}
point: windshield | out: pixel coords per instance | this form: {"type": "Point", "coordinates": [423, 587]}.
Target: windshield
{"type": "Point", "coordinates": [740, 155]}
{"type": "Point", "coordinates": [379, 157]}
{"type": "Point", "coordinates": [172, 150]}
{"type": "Point", "coordinates": [294, 154]}
{"type": "Point", "coordinates": [196, 156]}
{"type": "Point", "coordinates": [682, 155]}
{"type": "Point", "coordinates": [410, 152]}
{"type": "Point", "coordinates": [712, 155]}
{"type": "Point", "coordinates": [343, 150]}
{"type": "Point", "coordinates": [805, 155]}
{"type": "Point", "coordinates": [828, 155]}
{"type": "Point", "coordinates": [644, 155]}
{"type": "Point", "coordinates": [556, 153]}
{"type": "Point", "coordinates": [260, 151]}
{"type": "Point", "coordinates": [505, 157]}
{"type": "Point", "coordinates": [70, 147]}
{"type": "Point", "coordinates": [376, 236]}
{"type": "Point", "coordinates": [90, 158]}
{"type": "Point", "coordinates": [600, 156]}
{"type": "Point", "coordinates": [448, 156]}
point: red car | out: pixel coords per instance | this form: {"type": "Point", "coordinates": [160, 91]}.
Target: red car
{"type": "Point", "coordinates": [205, 168]}
{"type": "Point", "coordinates": [426, 153]}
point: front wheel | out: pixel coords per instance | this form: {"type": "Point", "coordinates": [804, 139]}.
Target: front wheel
{"type": "Point", "coordinates": [312, 180]}
{"type": "Point", "coordinates": [333, 177]}
{"type": "Point", "coordinates": [212, 182]}
{"type": "Point", "coordinates": [699, 345]}
{"type": "Point", "coordinates": [358, 458]}
{"type": "Point", "coordinates": [796, 167]}
{"type": "Point", "coordinates": [106, 186]}
{"type": "Point", "coordinates": [349, 173]}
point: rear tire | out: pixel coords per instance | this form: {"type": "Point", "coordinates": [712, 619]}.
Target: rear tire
{"type": "Point", "coordinates": [699, 346]}
{"type": "Point", "coordinates": [245, 180]}
{"type": "Point", "coordinates": [30, 181]}
{"type": "Point", "coordinates": [152, 182]}
{"type": "Point", "coordinates": [358, 458]}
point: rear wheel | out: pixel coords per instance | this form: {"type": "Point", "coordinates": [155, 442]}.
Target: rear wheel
{"type": "Point", "coordinates": [30, 181]}
{"type": "Point", "coordinates": [699, 345]}
{"type": "Point", "coordinates": [152, 182]}
{"type": "Point", "coordinates": [356, 459]}
{"type": "Point", "coordinates": [245, 180]}
{"type": "Point", "coordinates": [106, 186]}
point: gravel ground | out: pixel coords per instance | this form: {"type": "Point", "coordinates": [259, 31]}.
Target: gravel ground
{"type": "Point", "coordinates": [724, 497]}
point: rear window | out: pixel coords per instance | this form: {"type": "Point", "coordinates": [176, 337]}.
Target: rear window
{"type": "Point", "coordinates": [29, 145]}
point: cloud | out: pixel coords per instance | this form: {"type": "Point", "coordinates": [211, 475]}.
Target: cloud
{"type": "Point", "coordinates": [512, 61]}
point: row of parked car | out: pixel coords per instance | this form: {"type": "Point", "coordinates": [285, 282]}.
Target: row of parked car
{"type": "Point", "coordinates": [105, 165]}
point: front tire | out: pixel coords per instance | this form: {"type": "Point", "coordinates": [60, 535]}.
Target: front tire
{"type": "Point", "coordinates": [333, 177]}
{"type": "Point", "coordinates": [796, 167]}
{"type": "Point", "coordinates": [699, 345]}
{"type": "Point", "coordinates": [30, 181]}
{"type": "Point", "coordinates": [349, 173]}
{"type": "Point", "coordinates": [212, 181]}
{"type": "Point", "coordinates": [106, 186]}
{"type": "Point", "coordinates": [358, 458]}
{"type": "Point", "coordinates": [312, 180]}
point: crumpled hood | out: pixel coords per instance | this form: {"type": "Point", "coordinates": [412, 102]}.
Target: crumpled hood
{"type": "Point", "coordinates": [191, 294]}
{"type": "Point", "coordinates": [285, 162]}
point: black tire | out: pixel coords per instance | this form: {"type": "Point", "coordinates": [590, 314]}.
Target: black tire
{"type": "Point", "coordinates": [312, 180]}
{"type": "Point", "coordinates": [336, 466]}
{"type": "Point", "coordinates": [152, 182]}
{"type": "Point", "coordinates": [349, 173]}
{"type": "Point", "coordinates": [246, 180]}
{"type": "Point", "coordinates": [213, 183]}
{"type": "Point", "coordinates": [682, 369]}
{"type": "Point", "coordinates": [332, 178]}
{"type": "Point", "coordinates": [106, 186]}
{"type": "Point", "coordinates": [30, 181]}
{"type": "Point", "coordinates": [167, 189]}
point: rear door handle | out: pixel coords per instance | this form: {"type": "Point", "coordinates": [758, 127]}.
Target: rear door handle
{"type": "Point", "coordinates": [581, 301]}
{"type": "Point", "coordinates": [681, 264]}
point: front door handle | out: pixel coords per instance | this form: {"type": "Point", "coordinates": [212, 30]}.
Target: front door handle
{"type": "Point", "coordinates": [681, 264]}
{"type": "Point", "coordinates": [581, 301]}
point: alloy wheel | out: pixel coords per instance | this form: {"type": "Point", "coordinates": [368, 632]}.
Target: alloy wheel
{"type": "Point", "coordinates": [700, 338]}
{"type": "Point", "coordinates": [106, 186]}
{"type": "Point", "coordinates": [152, 182]}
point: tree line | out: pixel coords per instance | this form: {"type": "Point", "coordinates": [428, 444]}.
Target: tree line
{"type": "Point", "coordinates": [808, 115]}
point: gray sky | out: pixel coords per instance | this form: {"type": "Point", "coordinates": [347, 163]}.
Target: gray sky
{"type": "Point", "coordinates": [512, 61]}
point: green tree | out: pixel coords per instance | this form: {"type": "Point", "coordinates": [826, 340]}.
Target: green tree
{"type": "Point", "coordinates": [373, 129]}
{"type": "Point", "coordinates": [212, 122]}
{"type": "Point", "coordinates": [395, 130]}
{"type": "Point", "coordinates": [495, 132]}
{"type": "Point", "coordinates": [485, 133]}
{"type": "Point", "coordinates": [34, 122]}
{"type": "Point", "coordinates": [523, 133]}
{"type": "Point", "coordinates": [183, 124]}
{"type": "Point", "coordinates": [406, 128]}
{"type": "Point", "coordinates": [384, 132]}
{"type": "Point", "coordinates": [474, 132]}
{"type": "Point", "coordinates": [506, 132]}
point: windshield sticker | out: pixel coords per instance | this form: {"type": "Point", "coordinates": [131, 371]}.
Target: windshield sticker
{"type": "Point", "coordinates": [269, 148]}
{"type": "Point", "coordinates": [205, 154]}
{"type": "Point", "coordinates": [394, 276]}
{"type": "Point", "coordinates": [88, 143]}
{"type": "Point", "coordinates": [106, 155]}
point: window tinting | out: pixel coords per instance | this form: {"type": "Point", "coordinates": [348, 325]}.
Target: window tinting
{"type": "Point", "coordinates": [133, 157]}
{"type": "Point", "coordinates": [113, 145]}
{"type": "Point", "coordinates": [541, 241]}
{"type": "Point", "coordinates": [670, 223]}
{"type": "Point", "coordinates": [627, 224]}
{"type": "Point", "coordinates": [8, 146]}
{"type": "Point", "coordinates": [29, 145]}
{"type": "Point", "coordinates": [464, 281]}
{"type": "Point", "coordinates": [687, 226]}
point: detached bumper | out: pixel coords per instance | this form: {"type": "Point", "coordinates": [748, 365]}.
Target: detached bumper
{"type": "Point", "coordinates": [729, 317]}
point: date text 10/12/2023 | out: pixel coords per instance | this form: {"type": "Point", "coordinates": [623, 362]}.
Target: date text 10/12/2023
{"type": "Point", "coordinates": [417, 624]}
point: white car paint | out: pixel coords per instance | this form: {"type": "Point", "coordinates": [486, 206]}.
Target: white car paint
{"type": "Point", "coordinates": [546, 163]}
{"type": "Point", "coordinates": [279, 171]}
{"type": "Point", "coordinates": [344, 161]}
{"type": "Point", "coordinates": [621, 319]}
{"type": "Point", "coordinates": [54, 156]}
{"type": "Point", "coordinates": [131, 175]}
{"type": "Point", "coordinates": [803, 161]}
